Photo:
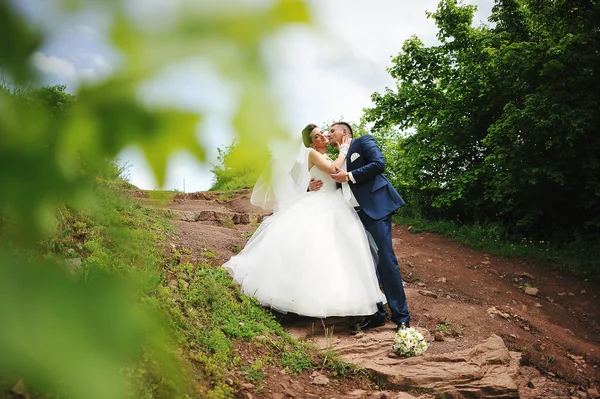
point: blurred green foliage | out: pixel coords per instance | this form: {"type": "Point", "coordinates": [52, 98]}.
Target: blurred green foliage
{"type": "Point", "coordinates": [84, 336]}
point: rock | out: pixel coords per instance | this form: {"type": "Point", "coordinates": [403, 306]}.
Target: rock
{"type": "Point", "coordinates": [205, 215]}
{"type": "Point", "coordinates": [429, 260]}
{"type": "Point", "coordinates": [532, 291]}
{"type": "Point", "coordinates": [438, 336]}
{"type": "Point", "coordinates": [19, 389]}
{"type": "Point", "coordinates": [359, 335]}
{"type": "Point", "coordinates": [277, 395]}
{"type": "Point", "coordinates": [486, 262]}
{"type": "Point", "coordinates": [74, 266]}
{"type": "Point", "coordinates": [421, 284]}
{"type": "Point", "coordinates": [486, 370]}
{"type": "Point", "coordinates": [229, 381]}
{"type": "Point", "coordinates": [248, 395]}
{"type": "Point", "coordinates": [562, 293]}
{"type": "Point", "coordinates": [248, 385]}
{"type": "Point", "coordinates": [538, 305]}
{"type": "Point", "coordinates": [358, 392]}
{"type": "Point", "coordinates": [320, 380]}
{"type": "Point", "coordinates": [441, 280]}
{"type": "Point", "coordinates": [571, 294]}
{"type": "Point", "coordinates": [583, 292]}
{"type": "Point", "coordinates": [495, 312]}
{"type": "Point", "coordinates": [428, 293]}
{"type": "Point", "coordinates": [593, 393]}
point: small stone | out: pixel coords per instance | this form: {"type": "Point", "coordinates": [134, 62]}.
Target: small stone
{"type": "Point", "coordinates": [19, 388]}
{"type": "Point", "coordinates": [583, 292]}
{"type": "Point", "coordinates": [429, 260]}
{"type": "Point", "coordinates": [428, 293]}
{"type": "Point", "coordinates": [562, 293]}
{"type": "Point", "coordinates": [570, 332]}
{"type": "Point", "coordinates": [229, 381]}
{"type": "Point", "coordinates": [358, 392]}
{"type": "Point", "coordinates": [523, 308]}
{"type": "Point", "coordinates": [421, 284]}
{"type": "Point", "coordinates": [441, 280]}
{"type": "Point", "coordinates": [359, 335]}
{"type": "Point", "coordinates": [486, 262]}
{"type": "Point", "coordinates": [248, 385]}
{"type": "Point", "coordinates": [277, 395]}
{"type": "Point", "coordinates": [320, 380]}
{"type": "Point", "coordinates": [248, 395]}
{"type": "Point", "coordinates": [538, 305]}
{"type": "Point", "coordinates": [531, 291]}
{"type": "Point", "coordinates": [438, 336]}
{"type": "Point", "coordinates": [448, 297]}
{"type": "Point", "coordinates": [593, 393]}
{"type": "Point", "coordinates": [571, 294]}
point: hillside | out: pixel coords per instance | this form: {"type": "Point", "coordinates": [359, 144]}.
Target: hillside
{"type": "Point", "coordinates": [498, 327]}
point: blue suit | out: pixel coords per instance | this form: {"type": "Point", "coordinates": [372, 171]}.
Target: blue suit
{"type": "Point", "coordinates": [378, 200]}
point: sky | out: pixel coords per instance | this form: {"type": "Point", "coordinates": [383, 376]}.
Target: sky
{"type": "Point", "coordinates": [319, 74]}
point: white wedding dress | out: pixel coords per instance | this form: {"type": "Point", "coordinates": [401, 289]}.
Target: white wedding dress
{"type": "Point", "coordinates": [311, 258]}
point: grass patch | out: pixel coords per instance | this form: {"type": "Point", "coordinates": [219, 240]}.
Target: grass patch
{"type": "Point", "coordinates": [449, 329]}
{"type": "Point", "coordinates": [224, 330]}
{"type": "Point", "coordinates": [579, 256]}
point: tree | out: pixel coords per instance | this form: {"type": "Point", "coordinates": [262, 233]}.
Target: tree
{"type": "Point", "coordinates": [504, 116]}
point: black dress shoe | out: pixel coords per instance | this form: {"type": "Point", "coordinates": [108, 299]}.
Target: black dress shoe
{"type": "Point", "coordinates": [403, 325]}
{"type": "Point", "coordinates": [373, 321]}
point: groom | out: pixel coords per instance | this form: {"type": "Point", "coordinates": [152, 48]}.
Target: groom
{"type": "Point", "coordinates": [375, 200]}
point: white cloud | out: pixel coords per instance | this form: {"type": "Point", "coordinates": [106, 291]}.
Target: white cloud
{"type": "Point", "coordinates": [52, 65]}
{"type": "Point", "coordinates": [67, 72]}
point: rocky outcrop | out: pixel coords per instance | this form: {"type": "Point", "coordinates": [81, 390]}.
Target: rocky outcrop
{"type": "Point", "coordinates": [487, 370]}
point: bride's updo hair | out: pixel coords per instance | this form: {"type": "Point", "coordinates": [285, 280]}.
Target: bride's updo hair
{"type": "Point", "coordinates": [306, 139]}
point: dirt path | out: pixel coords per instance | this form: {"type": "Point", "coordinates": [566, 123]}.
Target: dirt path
{"type": "Point", "coordinates": [467, 296]}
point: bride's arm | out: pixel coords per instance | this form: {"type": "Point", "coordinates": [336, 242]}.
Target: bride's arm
{"type": "Point", "coordinates": [319, 160]}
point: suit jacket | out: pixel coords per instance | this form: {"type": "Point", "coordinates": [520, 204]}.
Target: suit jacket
{"type": "Point", "coordinates": [376, 196]}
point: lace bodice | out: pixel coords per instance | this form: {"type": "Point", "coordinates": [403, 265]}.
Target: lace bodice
{"type": "Point", "coordinates": [328, 182]}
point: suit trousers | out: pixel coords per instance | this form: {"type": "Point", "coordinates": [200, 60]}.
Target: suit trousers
{"type": "Point", "coordinates": [387, 267]}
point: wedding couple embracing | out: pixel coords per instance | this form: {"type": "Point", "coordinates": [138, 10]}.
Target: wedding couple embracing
{"type": "Point", "coordinates": [327, 249]}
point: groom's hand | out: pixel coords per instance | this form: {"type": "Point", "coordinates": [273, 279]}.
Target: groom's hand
{"type": "Point", "coordinates": [314, 185]}
{"type": "Point", "coordinates": [339, 176]}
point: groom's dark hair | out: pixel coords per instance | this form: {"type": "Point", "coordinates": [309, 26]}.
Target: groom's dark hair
{"type": "Point", "coordinates": [347, 126]}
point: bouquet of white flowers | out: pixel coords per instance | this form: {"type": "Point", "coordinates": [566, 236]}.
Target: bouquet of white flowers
{"type": "Point", "coordinates": [409, 342]}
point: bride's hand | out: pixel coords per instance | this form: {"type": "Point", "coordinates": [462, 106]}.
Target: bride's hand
{"type": "Point", "coordinates": [345, 145]}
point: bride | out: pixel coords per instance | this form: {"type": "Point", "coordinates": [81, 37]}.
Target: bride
{"type": "Point", "coordinates": [312, 257]}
